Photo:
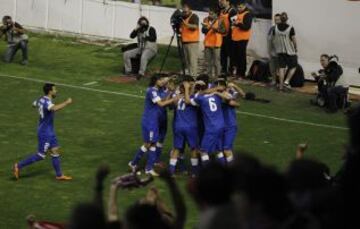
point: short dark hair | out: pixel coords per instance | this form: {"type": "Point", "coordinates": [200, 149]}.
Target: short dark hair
{"type": "Point", "coordinates": [155, 77]}
{"type": "Point", "coordinates": [143, 18]}
{"type": "Point", "coordinates": [48, 87]}
{"type": "Point", "coordinates": [325, 56]}
{"type": "Point", "coordinates": [284, 17]}
{"type": "Point", "coordinates": [277, 15]}
{"type": "Point", "coordinates": [6, 17]}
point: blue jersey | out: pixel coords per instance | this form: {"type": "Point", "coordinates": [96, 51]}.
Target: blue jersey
{"type": "Point", "coordinates": [163, 94]}
{"type": "Point", "coordinates": [211, 110]}
{"type": "Point", "coordinates": [230, 112]}
{"type": "Point", "coordinates": [151, 109]}
{"type": "Point", "coordinates": [46, 121]}
{"type": "Point", "coordinates": [185, 116]}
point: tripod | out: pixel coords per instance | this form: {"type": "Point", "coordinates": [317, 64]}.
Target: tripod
{"type": "Point", "coordinates": [180, 51]}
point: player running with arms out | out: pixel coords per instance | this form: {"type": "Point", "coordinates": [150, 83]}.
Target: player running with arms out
{"type": "Point", "coordinates": [210, 105]}
{"type": "Point", "coordinates": [229, 111]}
{"type": "Point", "coordinates": [47, 142]}
{"type": "Point", "coordinates": [150, 124]}
{"type": "Point", "coordinates": [185, 131]}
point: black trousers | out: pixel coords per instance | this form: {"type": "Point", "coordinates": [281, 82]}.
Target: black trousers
{"type": "Point", "coordinates": [336, 97]}
{"type": "Point", "coordinates": [238, 59]}
{"type": "Point", "coordinates": [225, 54]}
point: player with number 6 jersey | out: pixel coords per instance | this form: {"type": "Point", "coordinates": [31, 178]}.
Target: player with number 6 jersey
{"type": "Point", "coordinates": [47, 141]}
{"type": "Point", "coordinates": [212, 114]}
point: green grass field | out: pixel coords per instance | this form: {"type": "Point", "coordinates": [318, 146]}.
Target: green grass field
{"type": "Point", "coordinates": [102, 127]}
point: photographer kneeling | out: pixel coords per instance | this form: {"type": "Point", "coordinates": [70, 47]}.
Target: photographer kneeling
{"type": "Point", "coordinates": [146, 48]}
{"type": "Point", "coordinates": [332, 88]}
{"type": "Point", "coordinates": [16, 38]}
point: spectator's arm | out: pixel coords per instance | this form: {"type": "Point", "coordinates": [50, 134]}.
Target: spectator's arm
{"type": "Point", "coordinates": [178, 200]}
{"type": "Point", "coordinates": [204, 29]}
{"type": "Point", "coordinates": [221, 28]}
{"type": "Point", "coordinates": [101, 174]}
{"type": "Point", "coordinates": [113, 212]}
{"type": "Point", "coordinates": [152, 35]}
{"type": "Point", "coordinates": [18, 28]}
{"type": "Point", "coordinates": [133, 34]}
{"type": "Point", "coordinates": [293, 39]}
{"type": "Point", "coordinates": [193, 22]}
{"type": "Point", "coordinates": [247, 21]}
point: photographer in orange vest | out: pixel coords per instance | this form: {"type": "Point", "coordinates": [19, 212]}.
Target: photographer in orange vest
{"type": "Point", "coordinates": [226, 12]}
{"type": "Point", "coordinates": [213, 28]}
{"type": "Point", "coordinates": [190, 36]}
{"type": "Point", "coordinates": [240, 35]}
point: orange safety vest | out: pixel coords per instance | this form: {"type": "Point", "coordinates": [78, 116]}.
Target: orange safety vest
{"type": "Point", "coordinates": [238, 34]}
{"type": "Point", "coordinates": [189, 35]}
{"type": "Point", "coordinates": [225, 18]}
{"type": "Point", "coordinates": [212, 38]}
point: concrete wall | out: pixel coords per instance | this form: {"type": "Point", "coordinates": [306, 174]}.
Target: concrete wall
{"type": "Point", "coordinates": [106, 19]}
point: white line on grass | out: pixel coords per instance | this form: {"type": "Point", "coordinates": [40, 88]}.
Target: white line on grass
{"type": "Point", "coordinates": [90, 83]}
{"type": "Point", "coordinates": [142, 97]}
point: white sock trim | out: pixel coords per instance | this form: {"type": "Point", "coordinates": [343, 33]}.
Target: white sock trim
{"type": "Point", "coordinates": [220, 155]}
{"type": "Point", "coordinates": [159, 145]}
{"type": "Point", "coordinates": [144, 149]}
{"type": "Point", "coordinates": [230, 159]}
{"type": "Point", "coordinates": [194, 161]}
{"type": "Point", "coordinates": [41, 155]}
{"type": "Point", "coordinates": [205, 157]}
{"type": "Point", "coordinates": [173, 162]}
{"type": "Point", "coordinates": [152, 148]}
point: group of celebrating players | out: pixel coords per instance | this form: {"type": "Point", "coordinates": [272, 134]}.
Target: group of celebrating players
{"type": "Point", "coordinates": [204, 119]}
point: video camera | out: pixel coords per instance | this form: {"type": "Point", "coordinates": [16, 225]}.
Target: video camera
{"type": "Point", "coordinates": [176, 19]}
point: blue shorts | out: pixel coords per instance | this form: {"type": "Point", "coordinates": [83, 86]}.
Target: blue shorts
{"type": "Point", "coordinates": [150, 133]}
{"type": "Point", "coordinates": [162, 130]}
{"type": "Point", "coordinates": [46, 142]}
{"type": "Point", "coordinates": [212, 141]}
{"type": "Point", "coordinates": [190, 136]}
{"type": "Point", "coordinates": [229, 137]}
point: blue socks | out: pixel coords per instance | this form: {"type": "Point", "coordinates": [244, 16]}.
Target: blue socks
{"type": "Point", "coordinates": [31, 159]}
{"type": "Point", "coordinates": [151, 159]}
{"type": "Point", "coordinates": [56, 164]}
{"type": "Point", "coordinates": [139, 154]}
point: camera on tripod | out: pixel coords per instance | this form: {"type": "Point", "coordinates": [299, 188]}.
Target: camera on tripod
{"type": "Point", "coordinates": [176, 19]}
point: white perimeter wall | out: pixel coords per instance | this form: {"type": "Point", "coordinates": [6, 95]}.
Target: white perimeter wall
{"type": "Point", "coordinates": [107, 19]}
{"type": "Point", "coordinates": [326, 26]}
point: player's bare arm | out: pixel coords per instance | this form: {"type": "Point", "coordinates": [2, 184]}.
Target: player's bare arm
{"type": "Point", "coordinates": [62, 105]}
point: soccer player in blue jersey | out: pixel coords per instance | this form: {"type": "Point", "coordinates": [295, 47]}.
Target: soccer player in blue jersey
{"type": "Point", "coordinates": [165, 93]}
{"type": "Point", "coordinates": [47, 142]}
{"type": "Point", "coordinates": [185, 131]}
{"type": "Point", "coordinates": [150, 124]}
{"type": "Point", "coordinates": [211, 108]}
{"type": "Point", "coordinates": [229, 111]}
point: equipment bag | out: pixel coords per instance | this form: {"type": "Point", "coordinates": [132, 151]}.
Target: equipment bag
{"type": "Point", "coordinates": [298, 79]}
{"type": "Point", "coordinates": [259, 71]}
